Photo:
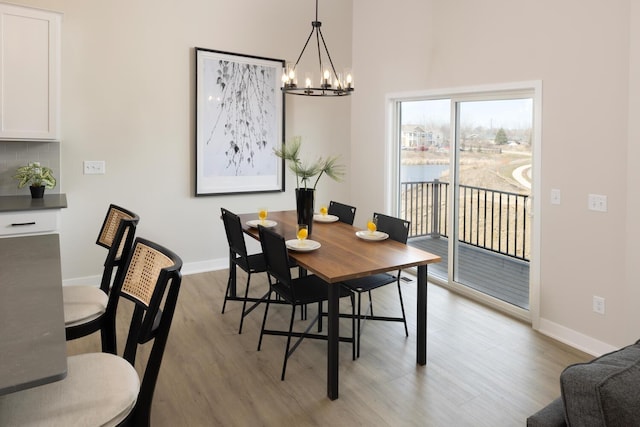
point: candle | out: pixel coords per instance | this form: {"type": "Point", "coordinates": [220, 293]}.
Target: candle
{"type": "Point", "coordinates": [326, 79]}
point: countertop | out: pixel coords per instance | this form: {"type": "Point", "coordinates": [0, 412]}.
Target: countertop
{"type": "Point", "coordinates": [26, 203]}
{"type": "Point", "coordinates": [33, 345]}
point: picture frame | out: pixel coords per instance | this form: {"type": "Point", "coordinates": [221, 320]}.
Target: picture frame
{"type": "Point", "coordinates": [239, 121]}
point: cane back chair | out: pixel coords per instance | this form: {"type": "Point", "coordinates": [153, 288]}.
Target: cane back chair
{"type": "Point", "coordinates": [85, 306]}
{"type": "Point", "coordinates": [103, 388]}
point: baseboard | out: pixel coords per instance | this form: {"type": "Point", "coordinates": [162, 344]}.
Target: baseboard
{"type": "Point", "coordinates": [187, 269]}
{"type": "Point", "coordinates": [205, 266]}
{"type": "Point", "coordinates": [575, 339]}
{"type": "Point", "coordinates": [86, 281]}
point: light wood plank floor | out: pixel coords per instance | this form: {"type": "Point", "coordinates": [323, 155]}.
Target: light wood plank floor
{"type": "Point", "coordinates": [483, 368]}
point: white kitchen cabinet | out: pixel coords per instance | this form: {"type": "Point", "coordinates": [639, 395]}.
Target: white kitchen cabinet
{"type": "Point", "coordinates": [29, 222]}
{"type": "Point", "coordinates": [29, 73]}
{"type": "Point", "coordinates": [22, 215]}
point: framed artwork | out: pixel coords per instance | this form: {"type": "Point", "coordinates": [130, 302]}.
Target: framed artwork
{"type": "Point", "coordinates": [239, 121]}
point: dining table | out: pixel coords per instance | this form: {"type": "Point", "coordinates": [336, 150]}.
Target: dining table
{"type": "Point", "coordinates": [33, 349]}
{"type": "Point", "coordinates": [342, 255]}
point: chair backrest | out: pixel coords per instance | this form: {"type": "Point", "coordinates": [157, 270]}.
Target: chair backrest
{"type": "Point", "coordinates": [116, 234]}
{"type": "Point", "coordinates": [235, 235]}
{"type": "Point", "coordinates": [345, 213]}
{"type": "Point", "coordinates": [276, 255]}
{"type": "Point", "coordinates": [111, 223]}
{"type": "Point", "coordinates": [151, 280]}
{"type": "Point", "coordinates": [396, 228]}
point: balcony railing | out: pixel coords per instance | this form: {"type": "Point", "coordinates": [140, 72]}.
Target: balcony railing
{"type": "Point", "coordinates": [494, 220]}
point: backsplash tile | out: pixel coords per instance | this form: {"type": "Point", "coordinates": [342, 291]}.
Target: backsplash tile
{"type": "Point", "coordinates": [14, 154]}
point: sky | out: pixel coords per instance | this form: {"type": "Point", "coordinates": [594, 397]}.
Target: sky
{"type": "Point", "coordinates": [510, 113]}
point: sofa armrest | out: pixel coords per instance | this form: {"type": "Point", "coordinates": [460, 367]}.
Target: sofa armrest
{"type": "Point", "coordinates": [551, 415]}
{"type": "Point", "coordinates": [603, 392]}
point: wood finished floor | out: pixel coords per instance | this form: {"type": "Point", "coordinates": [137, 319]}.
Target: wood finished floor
{"type": "Point", "coordinates": [483, 368]}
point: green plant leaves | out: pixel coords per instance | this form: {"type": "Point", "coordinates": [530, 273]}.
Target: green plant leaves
{"type": "Point", "coordinates": [36, 175]}
{"type": "Point", "coordinates": [304, 171]}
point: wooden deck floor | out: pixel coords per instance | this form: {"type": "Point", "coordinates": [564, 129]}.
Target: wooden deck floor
{"type": "Point", "coordinates": [496, 275]}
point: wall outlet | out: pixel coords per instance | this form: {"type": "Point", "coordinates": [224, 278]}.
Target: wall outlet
{"type": "Point", "coordinates": [598, 304]}
{"type": "Point", "coordinates": [94, 167]}
{"type": "Point", "coordinates": [597, 202]}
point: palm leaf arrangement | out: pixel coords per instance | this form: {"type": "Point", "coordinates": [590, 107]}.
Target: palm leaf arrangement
{"type": "Point", "coordinates": [306, 171]}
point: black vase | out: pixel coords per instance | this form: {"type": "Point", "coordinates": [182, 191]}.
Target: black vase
{"type": "Point", "coordinates": [304, 206]}
{"type": "Point", "coordinates": [37, 192]}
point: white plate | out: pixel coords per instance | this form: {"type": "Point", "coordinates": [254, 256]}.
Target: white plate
{"type": "Point", "coordinates": [325, 218]}
{"type": "Point", "coordinates": [256, 222]}
{"type": "Point", "coordinates": [307, 246]}
{"type": "Point", "coordinates": [376, 235]}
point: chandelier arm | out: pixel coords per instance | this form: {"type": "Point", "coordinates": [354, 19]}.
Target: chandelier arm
{"type": "Point", "coordinates": [304, 48]}
{"type": "Point", "coordinates": [318, 47]}
{"type": "Point", "coordinates": [328, 55]}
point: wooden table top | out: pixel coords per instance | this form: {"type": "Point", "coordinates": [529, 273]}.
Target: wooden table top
{"type": "Point", "coordinates": [342, 254]}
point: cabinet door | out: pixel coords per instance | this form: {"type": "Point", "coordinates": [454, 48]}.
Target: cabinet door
{"type": "Point", "coordinates": [29, 222]}
{"type": "Point", "coordinates": [29, 73]}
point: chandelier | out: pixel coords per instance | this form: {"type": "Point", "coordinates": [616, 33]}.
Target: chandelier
{"type": "Point", "coordinates": [330, 82]}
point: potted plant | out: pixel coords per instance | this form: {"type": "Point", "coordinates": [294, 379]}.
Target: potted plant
{"type": "Point", "coordinates": [305, 173]}
{"type": "Point", "coordinates": [37, 176]}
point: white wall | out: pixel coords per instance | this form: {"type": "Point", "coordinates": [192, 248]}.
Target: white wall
{"type": "Point", "coordinates": [632, 244]}
{"type": "Point", "coordinates": [128, 97]}
{"type": "Point", "coordinates": [580, 50]}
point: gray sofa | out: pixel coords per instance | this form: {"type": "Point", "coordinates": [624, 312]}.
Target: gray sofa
{"type": "Point", "coordinates": [602, 392]}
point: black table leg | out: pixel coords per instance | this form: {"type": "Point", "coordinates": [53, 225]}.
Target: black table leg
{"type": "Point", "coordinates": [333, 341]}
{"type": "Point", "coordinates": [421, 352]}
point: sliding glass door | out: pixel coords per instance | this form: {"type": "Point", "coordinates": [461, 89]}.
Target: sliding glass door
{"type": "Point", "coordinates": [465, 181]}
{"type": "Point", "coordinates": [491, 203]}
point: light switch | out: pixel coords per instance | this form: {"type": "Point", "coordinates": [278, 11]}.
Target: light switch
{"type": "Point", "coordinates": [94, 167]}
{"type": "Point", "coordinates": [555, 196]}
{"type": "Point", "coordinates": [597, 202]}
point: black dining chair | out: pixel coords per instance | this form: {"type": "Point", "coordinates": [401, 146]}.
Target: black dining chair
{"type": "Point", "coordinates": [102, 388]}
{"type": "Point", "coordinates": [85, 306]}
{"type": "Point", "coordinates": [398, 230]}
{"type": "Point", "coordinates": [298, 291]}
{"type": "Point", "coordinates": [345, 213]}
{"type": "Point", "coordinates": [249, 263]}
{"type": "Point", "coordinates": [239, 257]}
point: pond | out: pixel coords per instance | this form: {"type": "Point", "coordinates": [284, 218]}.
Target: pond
{"type": "Point", "coordinates": [421, 173]}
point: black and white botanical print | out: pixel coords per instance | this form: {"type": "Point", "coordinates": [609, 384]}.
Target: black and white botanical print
{"type": "Point", "coordinates": [240, 129]}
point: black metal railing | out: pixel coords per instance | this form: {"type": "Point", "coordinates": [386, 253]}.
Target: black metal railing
{"type": "Point", "coordinates": [494, 220]}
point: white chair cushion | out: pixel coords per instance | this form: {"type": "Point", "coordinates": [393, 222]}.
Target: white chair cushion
{"type": "Point", "coordinates": [83, 304]}
{"type": "Point", "coordinates": [100, 389]}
